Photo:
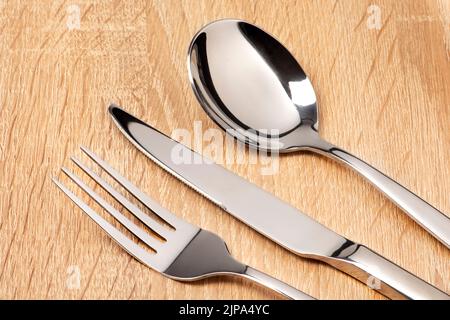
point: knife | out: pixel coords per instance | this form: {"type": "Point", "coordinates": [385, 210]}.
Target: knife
{"type": "Point", "coordinates": [272, 217]}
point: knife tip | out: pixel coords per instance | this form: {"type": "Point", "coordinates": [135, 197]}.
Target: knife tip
{"type": "Point", "coordinates": [115, 111]}
{"type": "Point", "coordinates": [112, 107]}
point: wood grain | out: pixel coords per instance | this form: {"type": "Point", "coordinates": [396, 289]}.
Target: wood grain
{"type": "Point", "coordinates": [383, 95]}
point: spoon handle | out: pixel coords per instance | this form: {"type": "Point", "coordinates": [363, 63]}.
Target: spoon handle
{"type": "Point", "coordinates": [382, 275]}
{"type": "Point", "coordinates": [431, 219]}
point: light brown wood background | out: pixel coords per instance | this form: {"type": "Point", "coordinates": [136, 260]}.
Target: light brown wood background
{"type": "Point", "coordinates": [383, 95]}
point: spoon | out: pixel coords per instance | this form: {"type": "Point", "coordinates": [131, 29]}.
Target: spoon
{"type": "Point", "coordinates": [252, 87]}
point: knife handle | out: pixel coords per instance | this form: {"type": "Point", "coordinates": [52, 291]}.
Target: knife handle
{"type": "Point", "coordinates": [382, 275]}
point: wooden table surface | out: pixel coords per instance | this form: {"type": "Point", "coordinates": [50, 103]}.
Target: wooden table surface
{"type": "Point", "coordinates": [383, 91]}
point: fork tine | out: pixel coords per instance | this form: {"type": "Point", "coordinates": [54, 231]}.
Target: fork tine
{"type": "Point", "coordinates": [151, 223]}
{"type": "Point", "coordinates": [138, 232]}
{"type": "Point", "coordinates": [146, 200]}
{"type": "Point", "coordinates": [131, 247]}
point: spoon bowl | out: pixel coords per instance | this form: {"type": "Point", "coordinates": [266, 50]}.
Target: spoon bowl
{"type": "Point", "coordinates": [251, 85]}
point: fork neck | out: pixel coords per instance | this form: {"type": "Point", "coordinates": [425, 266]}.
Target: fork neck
{"type": "Point", "coordinates": [205, 255]}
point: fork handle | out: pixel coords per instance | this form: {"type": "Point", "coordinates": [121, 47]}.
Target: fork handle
{"type": "Point", "coordinates": [274, 284]}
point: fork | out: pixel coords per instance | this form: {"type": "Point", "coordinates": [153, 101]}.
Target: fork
{"type": "Point", "coordinates": [187, 252]}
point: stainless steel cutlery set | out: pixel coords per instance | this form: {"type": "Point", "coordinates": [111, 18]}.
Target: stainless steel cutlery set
{"type": "Point", "coordinates": [247, 81]}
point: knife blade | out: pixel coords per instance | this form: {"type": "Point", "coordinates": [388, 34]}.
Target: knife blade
{"type": "Point", "coordinates": [271, 216]}
{"type": "Point", "coordinates": [244, 200]}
